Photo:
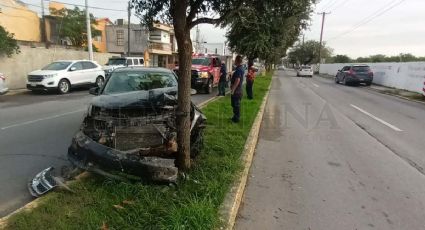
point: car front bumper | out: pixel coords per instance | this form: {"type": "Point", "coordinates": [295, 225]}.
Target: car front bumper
{"type": "Point", "coordinates": [199, 82]}
{"type": "Point", "coordinates": [40, 87]}
{"type": "Point", "coordinates": [89, 155]}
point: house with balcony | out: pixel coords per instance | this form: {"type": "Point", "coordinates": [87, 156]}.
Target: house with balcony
{"type": "Point", "coordinates": [157, 46]}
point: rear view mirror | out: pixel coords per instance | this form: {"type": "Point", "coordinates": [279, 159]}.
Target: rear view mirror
{"type": "Point", "coordinates": [94, 91]}
{"type": "Point", "coordinates": [73, 68]}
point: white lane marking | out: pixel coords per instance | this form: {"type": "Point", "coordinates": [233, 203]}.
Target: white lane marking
{"type": "Point", "coordinates": [316, 85]}
{"type": "Point", "coordinates": [377, 118]}
{"type": "Point", "coordinates": [41, 119]}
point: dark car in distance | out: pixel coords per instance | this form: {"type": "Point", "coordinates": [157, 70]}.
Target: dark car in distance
{"type": "Point", "coordinates": [354, 74]}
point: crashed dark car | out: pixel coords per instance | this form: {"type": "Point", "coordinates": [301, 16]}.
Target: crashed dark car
{"type": "Point", "coordinates": [130, 126]}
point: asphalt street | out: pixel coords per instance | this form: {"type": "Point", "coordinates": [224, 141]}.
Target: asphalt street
{"type": "Point", "coordinates": [35, 132]}
{"type": "Point", "coordinates": [336, 157]}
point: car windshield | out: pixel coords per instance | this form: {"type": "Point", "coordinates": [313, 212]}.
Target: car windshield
{"type": "Point", "coordinates": [57, 66]}
{"type": "Point", "coordinates": [128, 81]}
{"type": "Point", "coordinates": [117, 61]}
{"type": "Point", "coordinates": [201, 61]}
{"type": "Point", "coordinates": [361, 68]}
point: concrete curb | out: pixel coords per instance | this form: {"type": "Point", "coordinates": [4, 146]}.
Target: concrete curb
{"type": "Point", "coordinates": [33, 204]}
{"type": "Point", "coordinates": [233, 199]}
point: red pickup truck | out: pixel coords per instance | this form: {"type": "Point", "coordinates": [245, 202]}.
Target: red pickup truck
{"type": "Point", "coordinates": [205, 73]}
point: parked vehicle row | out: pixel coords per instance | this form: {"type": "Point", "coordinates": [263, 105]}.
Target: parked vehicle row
{"type": "Point", "coordinates": [354, 74]}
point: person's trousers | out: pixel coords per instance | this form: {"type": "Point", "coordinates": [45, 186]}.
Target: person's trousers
{"type": "Point", "coordinates": [236, 105]}
{"type": "Point", "coordinates": [249, 89]}
{"type": "Point", "coordinates": [222, 88]}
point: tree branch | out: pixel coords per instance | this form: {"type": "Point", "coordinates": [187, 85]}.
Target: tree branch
{"type": "Point", "coordinates": [194, 10]}
{"type": "Point", "coordinates": [215, 21]}
{"type": "Point", "coordinates": [206, 21]}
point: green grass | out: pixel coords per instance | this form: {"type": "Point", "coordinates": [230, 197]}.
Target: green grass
{"type": "Point", "coordinates": [193, 204]}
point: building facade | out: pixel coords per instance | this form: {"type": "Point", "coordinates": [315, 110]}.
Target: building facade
{"type": "Point", "coordinates": [16, 18]}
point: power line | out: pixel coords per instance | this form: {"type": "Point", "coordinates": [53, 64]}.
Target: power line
{"type": "Point", "coordinates": [339, 5]}
{"type": "Point", "coordinates": [370, 18]}
{"type": "Point", "coordinates": [91, 7]}
{"type": "Point", "coordinates": [329, 4]}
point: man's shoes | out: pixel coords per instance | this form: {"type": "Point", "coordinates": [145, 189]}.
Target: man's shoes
{"type": "Point", "coordinates": [234, 120]}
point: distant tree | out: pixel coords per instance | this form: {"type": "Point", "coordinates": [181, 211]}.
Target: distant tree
{"type": "Point", "coordinates": [340, 59]}
{"type": "Point", "coordinates": [309, 53]}
{"type": "Point", "coordinates": [8, 44]}
{"type": "Point", "coordinates": [74, 27]}
{"type": "Point", "coordinates": [378, 58]}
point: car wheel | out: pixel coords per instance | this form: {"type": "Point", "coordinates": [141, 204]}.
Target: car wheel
{"type": "Point", "coordinates": [64, 86]}
{"type": "Point", "coordinates": [344, 81]}
{"type": "Point", "coordinates": [100, 81]}
{"type": "Point", "coordinates": [209, 86]}
{"type": "Point", "coordinates": [368, 83]}
{"type": "Point", "coordinates": [336, 80]}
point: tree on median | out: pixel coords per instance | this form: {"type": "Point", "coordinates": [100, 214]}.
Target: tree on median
{"type": "Point", "coordinates": [184, 15]}
{"type": "Point", "coordinates": [265, 29]}
{"type": "Point", "coordinates": [308, 53]}
{"type": "Point", "coordinates": [8, 44]}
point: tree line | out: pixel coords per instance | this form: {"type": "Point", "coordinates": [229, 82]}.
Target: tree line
{"type": "Point", "coordinates": [375, 58]}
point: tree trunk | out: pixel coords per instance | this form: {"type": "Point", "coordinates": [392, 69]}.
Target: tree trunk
{"type": "Point", "coordinates": [184, 43]}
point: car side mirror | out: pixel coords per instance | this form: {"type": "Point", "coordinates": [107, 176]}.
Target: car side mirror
{"type": "Point", "coordinates": [73, 68]}
{"type": "Point", "coordinates": [94, 91]}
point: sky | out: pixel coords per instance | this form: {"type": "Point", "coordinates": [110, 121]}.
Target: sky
{"type": "Point", "coordinates": [380, 30]}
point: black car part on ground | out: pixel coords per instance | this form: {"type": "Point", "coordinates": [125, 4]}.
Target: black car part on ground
{"type": "Point", "coordinates": [134, 133]}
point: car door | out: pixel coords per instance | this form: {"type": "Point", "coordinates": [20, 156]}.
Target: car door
{"type": "Point", "coordinates": [90, 72]}
{"type": "Point", "coordinates": [342, 72]}
{"type": "Point", "coordinates": [76, 73]}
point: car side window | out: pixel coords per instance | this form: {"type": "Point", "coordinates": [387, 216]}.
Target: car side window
{"type": "Point", "coordinates": [129, 62]}
{"type": "Point", "coordinates": [88, 65]}
{"type": "Point", "coordinates": [346, 68]}
{"type": "Point", "coordinates": [78, 66]}
{"type": "Point", "coordinates": [136, 61]}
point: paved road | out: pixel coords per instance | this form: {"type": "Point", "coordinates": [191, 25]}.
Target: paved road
{"type": "Point", "coordinates": [35, 132]}
{"type": "Point", "coordinates": [336, 157]}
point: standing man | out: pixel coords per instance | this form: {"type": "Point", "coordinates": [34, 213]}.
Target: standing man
{"type": "Point", "coordinates": [223, 80]}
{"type": "Point", "coordinates": [236, 89]}
{"type": "Point", "coordinates": [250, 80]}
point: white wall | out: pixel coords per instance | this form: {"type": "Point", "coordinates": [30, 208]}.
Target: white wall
{"type": "Point", "coordinates": [406, 75]}
{"type": "Point", "coordinates": [19, 65]}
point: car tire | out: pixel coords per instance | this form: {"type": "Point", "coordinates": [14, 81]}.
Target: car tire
{"type": "Point", "coordinates": [197, 145]}
{"type": "Point", "coordinates": [336, 80]}
{"type": "Point", "coordinates": [64, 86]}
{"type": "Point", "coordinates": [344, 81]}
{"type": "Point", "coordinates": [368, 83]}
{"type": "Point", "coordinates": [100, 81]}
{"type": "Point", "coordinates": [209, 86]}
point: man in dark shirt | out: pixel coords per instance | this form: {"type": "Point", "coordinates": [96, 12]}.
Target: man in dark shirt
{"type": "Point", "coordinates": [236, 88]}
{"type": "Point", "coordinates": [223, 80]}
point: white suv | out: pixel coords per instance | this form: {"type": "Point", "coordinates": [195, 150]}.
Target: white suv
{"type": "Point", "coordinates": [3, 86]}
{"type": "Point", "coordinates": [63, 75]}
{"type": "Point", "coordinates": [118, 62]}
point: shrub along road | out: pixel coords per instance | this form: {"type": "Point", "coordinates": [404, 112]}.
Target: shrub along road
{"type": "Point", "coordinates": [193, 204]}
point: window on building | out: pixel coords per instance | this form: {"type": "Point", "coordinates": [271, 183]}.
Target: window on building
{"type": "Point", "coordinates": [120, 37]}
{"type": "Point", "coordinates": [129, 62]}
{"type": "Point", "coordinates": [136, 61]}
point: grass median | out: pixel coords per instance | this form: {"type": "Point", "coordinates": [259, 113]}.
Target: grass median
{"type": "Point", "coordinates": [99, 203]}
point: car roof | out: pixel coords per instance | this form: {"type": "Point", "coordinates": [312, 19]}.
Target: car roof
{"type": "Point", "coordinates": [143, 69]}
{"type": "Point", "coordinates": [73, 61]}
{"type": "Point", "coordinates": [361, 65]}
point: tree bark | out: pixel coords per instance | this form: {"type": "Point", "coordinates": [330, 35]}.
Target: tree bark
{"type": "Point", "coordinates": [184, 43]}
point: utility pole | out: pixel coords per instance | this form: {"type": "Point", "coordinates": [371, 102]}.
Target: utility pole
{"type": "Point", "coordinates": [321, 34]}
{"type": "Point", "coordinates": [89, 39]}
{"type": "Point", "coordinates": [43, 25]}
{"type": "Point", "coordinates": [128, 29]}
